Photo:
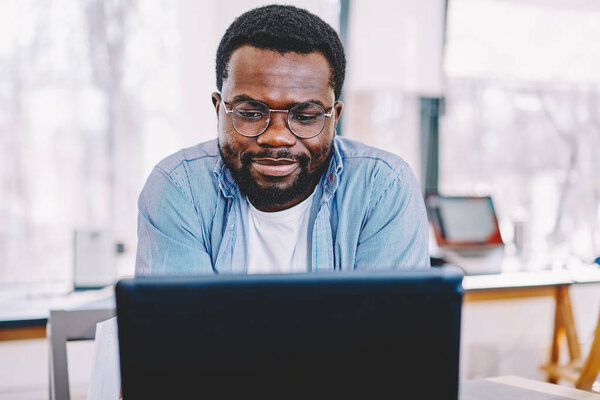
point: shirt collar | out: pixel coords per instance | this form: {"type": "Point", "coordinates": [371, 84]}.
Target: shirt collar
{"type": "Point", "coordinates": [332, 177]}
{"type": "Point", "coordinates": [227, 184]}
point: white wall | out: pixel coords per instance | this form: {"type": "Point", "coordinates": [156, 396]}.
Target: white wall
{"type": "Point", "coordinates": [548, 41]}
{"type": "Point", "coordinates": [24, 369]}
{"type": "Point", "coordinates": [394, 56]}
{"type": "Point", "coordinates": [396, 45]}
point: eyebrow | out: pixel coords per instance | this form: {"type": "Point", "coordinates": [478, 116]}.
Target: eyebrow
{"type": "Point", "coordinates": [243, 97]}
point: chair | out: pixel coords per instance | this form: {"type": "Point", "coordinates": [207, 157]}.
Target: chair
{"type": "Point", "coordinates": [581, 373]}
{"type": "Point", "coordinates": [68, 325]}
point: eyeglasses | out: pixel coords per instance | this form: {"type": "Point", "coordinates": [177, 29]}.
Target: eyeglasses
{"type": "Point", "coordinates": [250, 118]}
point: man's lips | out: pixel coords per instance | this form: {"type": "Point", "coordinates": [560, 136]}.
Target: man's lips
{"type": "Point", "coordinates": [274, 166]}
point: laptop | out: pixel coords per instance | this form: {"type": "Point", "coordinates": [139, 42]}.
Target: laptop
{"type": "Point", "coordinates": [466, 230]}
{"type": "Point", "coordinates": [342, 334]}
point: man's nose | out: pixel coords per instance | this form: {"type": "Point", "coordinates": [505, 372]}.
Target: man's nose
{"type": "Point", "coordinates": [277, 134]}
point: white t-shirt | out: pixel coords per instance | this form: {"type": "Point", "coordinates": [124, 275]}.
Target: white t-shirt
{"type": "Point", "coordinates": [278, 241]}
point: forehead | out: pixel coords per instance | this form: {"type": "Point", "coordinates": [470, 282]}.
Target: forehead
{"type": "Point", "coordinates": [277, 78]}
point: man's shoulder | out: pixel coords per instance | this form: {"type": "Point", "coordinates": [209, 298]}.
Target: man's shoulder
{"type": "Point", "coordinates": [355, 154]}
{"type": "Point", "coordinates": [203, 156]}
{"type": "Point", "coordinates": [188, 172]}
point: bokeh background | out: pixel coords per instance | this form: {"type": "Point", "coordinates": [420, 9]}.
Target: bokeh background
{"type": "Point", "coordinates": [93, 93]}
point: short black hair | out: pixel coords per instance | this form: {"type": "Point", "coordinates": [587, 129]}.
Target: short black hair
{"type": "Point", "coordinates": [283, 29]}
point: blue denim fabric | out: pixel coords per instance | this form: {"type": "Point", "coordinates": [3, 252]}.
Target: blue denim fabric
{"type": "Point", "coordinates": [367, 213]}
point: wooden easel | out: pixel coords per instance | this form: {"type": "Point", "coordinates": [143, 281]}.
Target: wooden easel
{"type": "Point", "coordinates": [582, 374]}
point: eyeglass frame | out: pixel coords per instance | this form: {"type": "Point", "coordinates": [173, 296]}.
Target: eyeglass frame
{"type": "Point", "coordinates": [287, 122]}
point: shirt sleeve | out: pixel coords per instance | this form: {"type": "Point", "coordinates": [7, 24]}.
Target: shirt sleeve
{"type": "Point", "coordinates": [395, 233]}
{"type": "Point", "coordinates": [170, 240]}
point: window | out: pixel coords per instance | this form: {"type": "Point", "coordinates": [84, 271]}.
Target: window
{"type": "Point", "coordinates": [522, 121]}
{"type": "Point", "coordinates": [92, 95]}
{"type": "Point", "coordinates": [84, 85]}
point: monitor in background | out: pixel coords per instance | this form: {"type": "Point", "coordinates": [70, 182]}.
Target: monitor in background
{"type": "Point", "coordinates": [291, 335]}
{"type": "Point", "coordinates": [466, 229]}
{"type": "Point", "coordinates": [461, 221]}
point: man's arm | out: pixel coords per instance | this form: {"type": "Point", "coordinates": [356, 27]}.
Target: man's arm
{"type": "Point", "coordinates": [170, 240]}
{"type": "Point", "coordinates": [395, 233]}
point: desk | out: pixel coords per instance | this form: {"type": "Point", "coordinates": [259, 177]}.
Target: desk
{"type": "Point", "coordinates": [523, 284]}
{"type": "Point", "coordinates": [554, 284]}
{"type": "Point", "coordinates": [499, 388]}
{"type": "Point", "coordinates": [24, 309]}
{"type": "Point", "coordinates": [482, 287]}
{"type": "Point", "coordinates": [513, 387]}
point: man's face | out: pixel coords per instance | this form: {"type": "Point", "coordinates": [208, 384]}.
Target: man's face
{"type": "Point", "coordinates": [276, 169]}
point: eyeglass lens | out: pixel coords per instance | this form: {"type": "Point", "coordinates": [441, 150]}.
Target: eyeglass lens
{"type": "Point", "coordinates": [251, 118]}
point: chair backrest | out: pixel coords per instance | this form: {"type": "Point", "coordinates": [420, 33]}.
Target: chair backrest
{"type": "Point", "coordinates": [64, 326]}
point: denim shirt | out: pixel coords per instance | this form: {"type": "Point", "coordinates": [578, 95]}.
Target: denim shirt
{"type": "Point", "coordinates": [367, 213]}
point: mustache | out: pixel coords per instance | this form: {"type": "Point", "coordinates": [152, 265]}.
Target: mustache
{"type": "Point", "coordinates": [246, 158]}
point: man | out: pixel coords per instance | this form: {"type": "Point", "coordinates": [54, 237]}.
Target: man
{"type": "Point", "coordinates": [279, 191]}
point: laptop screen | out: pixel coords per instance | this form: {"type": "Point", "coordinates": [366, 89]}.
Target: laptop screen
{"type": "Point", "coordinates": [291, 335]}
{"type": "Point", "coordinates": [463, 220]}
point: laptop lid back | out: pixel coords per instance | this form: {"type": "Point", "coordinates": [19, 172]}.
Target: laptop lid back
{"type": "Point", "coordinates": [291, 335]}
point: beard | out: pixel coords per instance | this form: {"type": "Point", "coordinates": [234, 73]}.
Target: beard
{"type": "Point", "coordinates": [274, 195]}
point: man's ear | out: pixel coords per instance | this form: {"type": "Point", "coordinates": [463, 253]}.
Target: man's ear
{"type": "Point", "coordinates": [338, 106]}
{"type": "Point", "coordinates": [216, 100]}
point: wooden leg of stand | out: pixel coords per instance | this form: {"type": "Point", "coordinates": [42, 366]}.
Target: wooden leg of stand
{"type": "Point", "coordinates": [569, 325]}
{"type": "Point", "coordinates": [556, 338]}
{"type": "Point", "coordinates": [564, 326]}
{"type": "Point", "coordinates": [591, 367]}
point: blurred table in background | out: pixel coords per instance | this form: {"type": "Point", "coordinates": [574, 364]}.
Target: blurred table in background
{"type": "Point", "coordinates": [514, 387]}
{"type": "Point", "coordinates": [551, 283]}
{"type": "Point", "coordinates": [25, 308]}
